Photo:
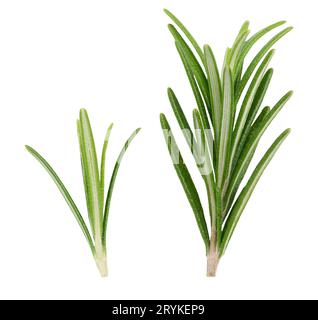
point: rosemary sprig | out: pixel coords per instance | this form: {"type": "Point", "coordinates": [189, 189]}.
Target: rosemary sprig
{"type": "Point", "coordinates": [93, 179]}
{"type": "Point", "coordinates": [228, 128]}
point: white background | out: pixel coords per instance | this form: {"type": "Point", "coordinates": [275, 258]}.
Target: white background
{"type": "Point", "coordinates": [116, 59]}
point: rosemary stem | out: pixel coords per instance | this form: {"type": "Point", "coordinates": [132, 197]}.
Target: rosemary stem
{"type": "Point", "coordinates": [212, 258]}
{"type": "Point", "coordinates": [101, 259]}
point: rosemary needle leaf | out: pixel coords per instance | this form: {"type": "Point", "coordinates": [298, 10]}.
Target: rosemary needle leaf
{"type": "Point", "coordinates": [247, 104]}
{"type": "Point", "coordinates": [185, 179]}
{"type": "Point", "coordinates": [195, 65]}
{"type": "Point", "coordinates": [187, 33]}
{"type": "Point", "coordinates": [252, 143]}
{"type": "Point", "coordinates": [102, 164]}
{"type": "Point", "coordinates": [214, 89]}
{"type": "Point", "coordinates": [254, 128]}
{"type": "Point", "coordinates": [248, 190]}
{"type": "Point", "coordinates": [65, 194]}
{"type": "Point", "coordinates": [257, 59]}
{"type": "Point", "coordinates": [202, 155]}
{"type": "Point", "coordinates": [194, 86]}
{"type": "Point", "coordinates": [112, 183]}
{"type": "Point", "coordinates": [199, 133]}
{"type": "Point", "coordinates": [197, 94]}
{"type": "Point", "coordinates": [237, 48]}
{"type": "Point", "coordinates": [249, 44]}
{"type": "Point", "coordinates": [85, 176]}
{"type": "Point", "coordinates": [182, 120]}
{"type": "Point", "coordinates": [257, 101]}
{"type": "Point", "coordinates": [89, 153]}
{"type": "Point", "coordinates": [226, 127]}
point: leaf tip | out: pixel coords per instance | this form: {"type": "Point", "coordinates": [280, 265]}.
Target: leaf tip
{"type": "Point", "coordinates": [290, 93]}
{"type": "Point", "coordinates": [163, 121]}
{"type": "Point", "coordinates": [170, 92]}
{"type": "Point", "coordinates": [171, 27]}
{"type": "Point", "coordinates": [287, 131]}
{"type": "Point", "coordinates": [206, 47]}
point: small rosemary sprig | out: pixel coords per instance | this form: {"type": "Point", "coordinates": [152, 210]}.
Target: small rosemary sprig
{"type": "Point", "coordinates": [93, 178]}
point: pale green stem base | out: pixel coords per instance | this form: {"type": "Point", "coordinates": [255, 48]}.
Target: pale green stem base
{"type": "Point", "coordinates": [101, 264]}
{"type": "Point", "coordinates": [101, 260]}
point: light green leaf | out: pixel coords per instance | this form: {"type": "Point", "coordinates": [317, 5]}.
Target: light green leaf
{"type": "Point", "coordinates": [256, 60]}
{"type": "Point", "coordinates": [84, 174]}
{"type": "Point", "coordinates": [186, 33]}
{"type": "Point", "coordinates": [201, 106]}
{"type": "Point", "coordinates": [102, 164]}
{"type": "Point", "coordinates": [112, 183]}
{"type": "Point", "coordinates": [226, 128]}
{"type": "Point", "coordinates": [253, 141]}
{"type": "Point", "coordinates": [214, 89]}
{"type": "Point", "coordinates": [247, 192]}
{"type": "Point", "coordinates": [204, 161]}
{"type": "Point", "coordinates": [257, 101]}
{"type": "Point", "coordinates": [182, 120]}
{"type": "Point", "coordinates": [186, 180]}
{"type": "Point", "coordinates": [237, 48]}
{"type": "Point", "coordinates": [229, 198]}
{"type": "Point", "coordinates": [92, 173]}
{"type": "Point", "coordinates": [247, 104]}
{"type": "Point", "coordinates": [250, 43]}
{"type": "Point", "coordinates": [194, 86]}
{"type": "Point", "coordinates": [65, 195]}
{"type": "Point", "coordinates": [195, 65]}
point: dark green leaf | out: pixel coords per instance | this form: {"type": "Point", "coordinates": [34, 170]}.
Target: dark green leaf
{"type": "Point", "coordinates": [65, 195]}
{"type": "Point", "coordinates": [185, 179]}
{"type": "Point", "coordinates": [247, 192]}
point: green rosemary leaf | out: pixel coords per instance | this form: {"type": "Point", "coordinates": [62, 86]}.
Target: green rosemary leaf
{"type": "Point", "coordinates": [102, 164]}
{"type": "Point", "coordinates": [247, 192]}
{"type": "Point", "coordinates": [206, 170]}
{"type": "Point", "coordinates": [93, 181]}
{"type": "Point", "coordinates": [250, 43]}
{"type": "Point", "coordinates": [195, 65]}
{"type": "Point", "coordinates": [194, 86]}
{"type": "Point", "coordinates": [112, 184]}
{"type": "Point", "coordinates": [214, 89]}
{"type": "Point", "coordinates": [185, 179]}
{"type": "Point", "coordinates": [85, 176]}
{"type": "Point", "coordinates": [237, 48]}
{"type": "Point", "coordinates": [182, 120]}
{"type": "Point", "coordinates": [243, 29]}
{"type": "Point", "coordinates": [256, 60]}
{"type": "Point", "coordinates": [257, 101]}
{"type": "Point", "coordinates": [186, 33]}
{"type": "Point", "coordinates": [247, 104]}
{"type": "Point", "coordinates": [226, 61]}
{"type": "Point", "coordinates": [65, 195]}
{"type": "Point", "coordinates": [226, 127]}
{"type": "Point", "coordinates": [253, 141]}
{"type": "Point", "coordinates": [199, 133]}
{"type": "Point", "coordinates": [254, 129]}
{"type": "Point", "coordinates": [203, 157]}
{"type": "Point", "coordinates": [201, 106]}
